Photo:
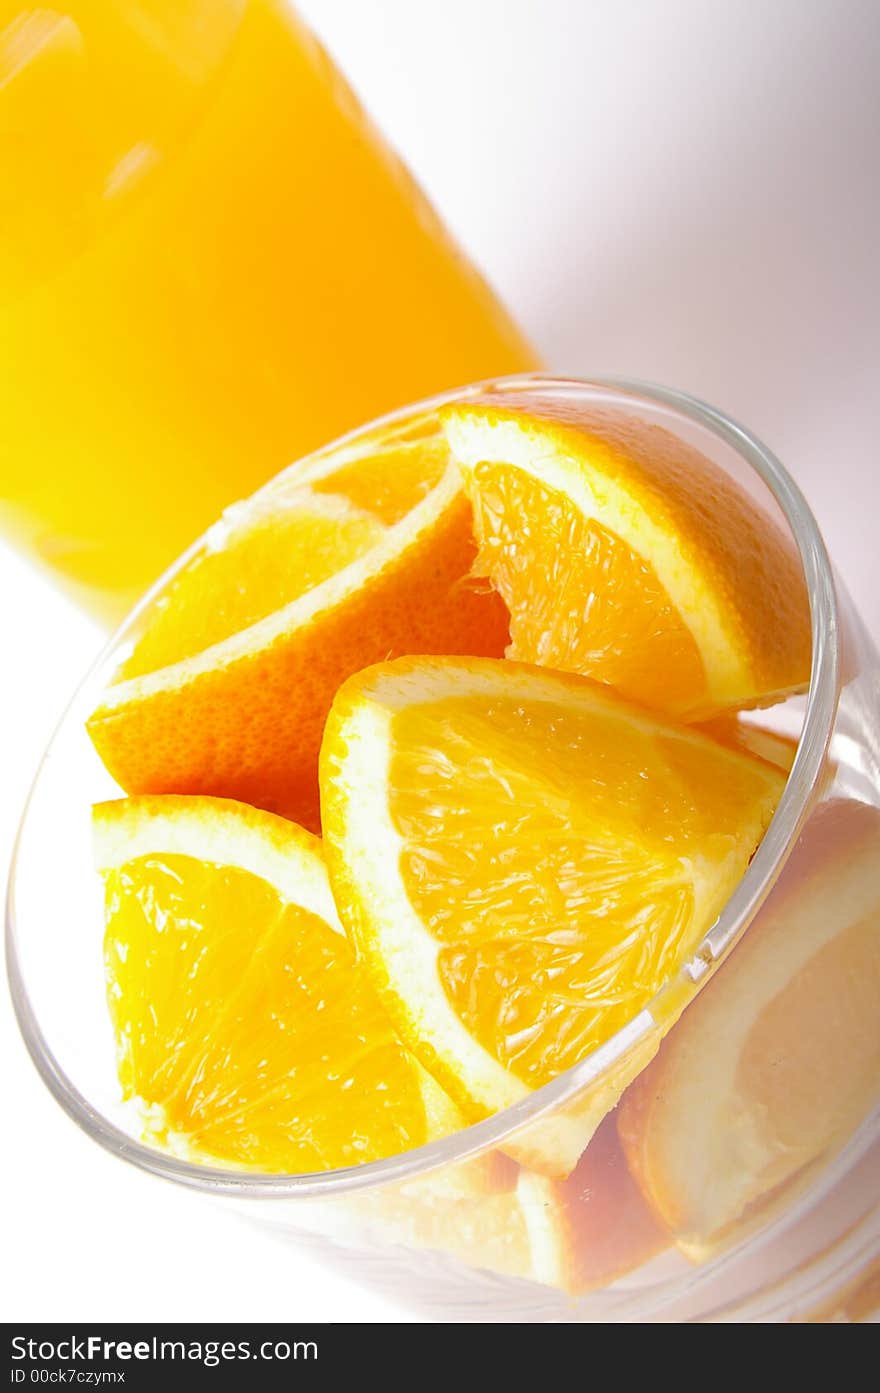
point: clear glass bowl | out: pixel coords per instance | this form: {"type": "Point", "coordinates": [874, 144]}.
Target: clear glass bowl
{"type": "Point", "coordinates": [763, 1148]}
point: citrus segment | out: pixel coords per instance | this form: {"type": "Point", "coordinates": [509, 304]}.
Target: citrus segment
{"type": "Point", "coordinates": [228, 686]}
{"type": "Point", "coordinates": [624, 554]}
{"type": "Point", "coordinates": [742, 1098]}
{"type": "Point", "coordinates": [244, 1029]}
{"type": "Point", "coordinates": [523, 860]}
{"type": "Point", "coordinates": [580, 599]}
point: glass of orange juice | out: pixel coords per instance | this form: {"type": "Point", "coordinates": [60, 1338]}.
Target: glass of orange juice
{"type": "Point", "coordinates": [210, 263]}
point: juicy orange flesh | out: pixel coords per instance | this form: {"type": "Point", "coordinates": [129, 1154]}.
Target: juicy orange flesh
{"type": "Point", "coordinates": [551, 854]}
{"type": "Point", "coordinates": [390, 482]}
{"type": "Point", "coordinates": [263, 567]}
{"type": "Point", "coordinates": [580, 599]}
{"type": "Point", "coordinates": [801, 1078]}
{"type": "Point", "coordinates": [245, 1019]}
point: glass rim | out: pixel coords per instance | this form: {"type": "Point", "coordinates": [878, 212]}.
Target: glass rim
{"type": "Point", "coordinates": [728, 929]}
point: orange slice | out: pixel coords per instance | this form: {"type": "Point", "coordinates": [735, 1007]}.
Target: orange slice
{"type": "Point", "coordinates": [575, 1234]}
{"type": "Point", "coordinates": [246, 1035]}
{"type": "Point", "coordinates": [624, 554]}
{"type": "Point", "coordinates": [523, 860]}
{"type": "Point", "coordinates": [778, 1059]}
{"type": "Point", "coordinates": [348, 558]}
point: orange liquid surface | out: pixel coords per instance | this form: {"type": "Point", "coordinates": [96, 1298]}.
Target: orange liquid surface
{"type": "Point", "coordinates": [210, 263]}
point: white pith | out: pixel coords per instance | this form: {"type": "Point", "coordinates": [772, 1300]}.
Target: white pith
{"type": "Point", "coordinates": [543, 1214]}
{"type": "Point", "coordinates": [409, 954]}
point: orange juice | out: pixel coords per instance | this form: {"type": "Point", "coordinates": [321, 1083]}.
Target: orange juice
{"type": "Point", "coordinates": [210, 262]}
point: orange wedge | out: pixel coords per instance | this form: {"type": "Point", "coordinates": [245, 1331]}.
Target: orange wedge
{"type": "Point", "coordinates": [245, 1033]}
{"type": "Point", "coordinates": [575, 1234]}
{"type": "Point", "coordinates": [778, 1059]}
{"type": "Point", "coordinates": [348, 558]}
{"type": "Point", "coordinates": [624, 554]}
{"type": "Point", "coordinates": [523, 860]}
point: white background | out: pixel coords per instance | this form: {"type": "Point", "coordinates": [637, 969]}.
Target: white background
{"type": "Point", "coordinates": [679, 190]}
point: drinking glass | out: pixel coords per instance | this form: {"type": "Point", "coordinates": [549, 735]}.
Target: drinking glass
{"type": "Point", "coordinates": [746, 1187]}
{"type": "Point", "coordinates": [211, 262]}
